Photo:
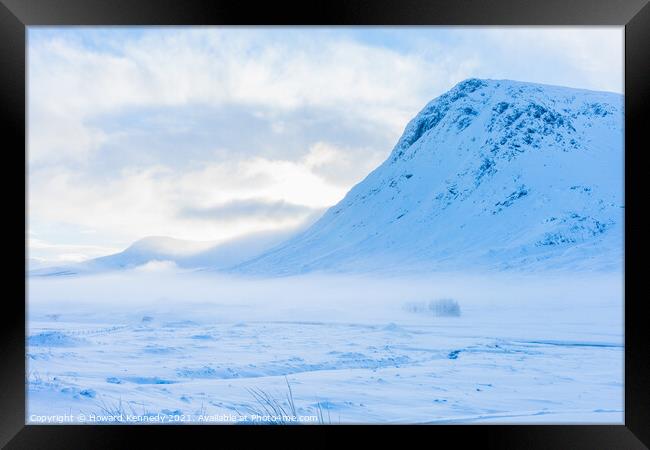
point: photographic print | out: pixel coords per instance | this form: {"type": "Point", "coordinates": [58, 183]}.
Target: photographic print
{"type": "Point", "coordinates": [325, 225]}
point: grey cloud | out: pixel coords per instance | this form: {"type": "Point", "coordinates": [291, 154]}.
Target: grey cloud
{"type": "Point", "coordinates": [180, 137]}
{"type": "Point", "coordinates": [247, 209]}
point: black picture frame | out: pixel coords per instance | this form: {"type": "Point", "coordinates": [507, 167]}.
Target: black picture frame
{"type": "Point", "coordinates": [16, 15]}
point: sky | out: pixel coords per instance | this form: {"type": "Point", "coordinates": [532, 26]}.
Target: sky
{"type": "Point", "coordinates": [212, 133]}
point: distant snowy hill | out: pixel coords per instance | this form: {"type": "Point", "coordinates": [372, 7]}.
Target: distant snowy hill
{"type": "Point", "coordinates": [493, 174]}
{"type": "Point", "coordinates": [182, 253]}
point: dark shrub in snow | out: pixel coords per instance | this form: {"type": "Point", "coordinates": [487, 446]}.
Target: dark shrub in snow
{"type": "Point", "coordinates": [445, 307]}
{"type": "Point", "coordinates": [442, 307]}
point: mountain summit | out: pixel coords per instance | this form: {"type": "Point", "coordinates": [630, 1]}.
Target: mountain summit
{"type": "Point", "coordinates": [493, 174]}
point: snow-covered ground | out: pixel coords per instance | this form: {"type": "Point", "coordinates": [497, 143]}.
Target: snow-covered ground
{"type": "Point", "coordinates": [163, 345]}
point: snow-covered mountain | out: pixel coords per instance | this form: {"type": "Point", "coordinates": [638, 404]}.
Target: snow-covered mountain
{"type": "Point", "coordinates": [493, 174]}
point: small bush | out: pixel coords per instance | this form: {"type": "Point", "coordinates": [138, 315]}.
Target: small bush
{"type": "Point", "coordinates": [444, 307]}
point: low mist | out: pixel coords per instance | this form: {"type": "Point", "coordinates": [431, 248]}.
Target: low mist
{"type": "Point", "coordinates": [166, 293]}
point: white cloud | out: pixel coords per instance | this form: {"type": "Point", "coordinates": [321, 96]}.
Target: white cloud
{"type": "Point", "coordinates": [582, 57]}
{"type": "Point", "coordinates": [73, 84]}
{"type": "Point", "coordinates": [150, 201]}
{"type": "Point", "coordinates": [156, 266]}
{"type": "Point", "coordinates": [50, 254]}
{"type": "Point", "coordinates": [341, 166]}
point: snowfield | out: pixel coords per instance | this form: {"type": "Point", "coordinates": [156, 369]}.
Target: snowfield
{"type": "Point", "coordinates": [170, 347]}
